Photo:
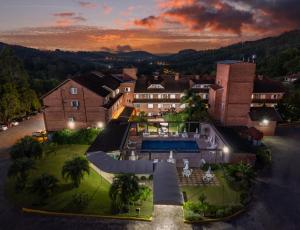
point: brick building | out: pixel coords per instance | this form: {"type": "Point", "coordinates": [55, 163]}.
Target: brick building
{"type": "Point", "coordinates": [88, 100]}
{"type": "Point", "coordinates": [238, 98]}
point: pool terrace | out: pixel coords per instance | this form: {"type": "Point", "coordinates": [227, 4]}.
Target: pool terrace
{"type": "Point", "coordinates": [211, 147]}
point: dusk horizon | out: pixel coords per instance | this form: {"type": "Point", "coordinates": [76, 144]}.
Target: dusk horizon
{"type": "Point", "coordinates": [160, 26]}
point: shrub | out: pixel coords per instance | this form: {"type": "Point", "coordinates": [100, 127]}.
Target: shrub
{"type": "Point", "coordinates": [263, 158]}
{"type": "Point", "coordinates": [44, 185]}
{"type": "Point", "coordinates": [245, 198]}
{"type": "Point", "coordinates": [81, 136]}
{"type": "Point", "coordinates": [80, 200]}
{"type": "Point", "coordinates": [143, 178]}
{"type": "Point", "coordinates": [220, 213]}
{"type": "Point", "coordinates": [192, 216]}
{"type": "Point", "coordinates": [26, 147]}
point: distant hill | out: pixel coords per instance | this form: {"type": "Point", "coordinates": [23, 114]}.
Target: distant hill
{"type": "Point", "coordinates": [276, 56]}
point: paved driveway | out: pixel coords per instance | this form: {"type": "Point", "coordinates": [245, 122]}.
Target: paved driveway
{"type": "Point", "coordinates": [10, 136]}
{"type": "Point", "coordinates": [276, 206]}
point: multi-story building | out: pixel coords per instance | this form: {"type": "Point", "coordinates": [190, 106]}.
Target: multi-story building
{"type": "Point", "coordinates": [239, 99]}
{"type": "Point", "coordinates": [88, 100]}
{"type": "Point", "coordinates": [159, 93]}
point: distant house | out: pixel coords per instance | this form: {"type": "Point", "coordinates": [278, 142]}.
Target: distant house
{"type": "Point", "coordinates": [89, 100]}
{"type": "Point", "coordinates": [291, 78]}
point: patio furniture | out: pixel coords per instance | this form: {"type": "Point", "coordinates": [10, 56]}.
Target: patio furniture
{"type": "Point", "coordinates": [146, 134]}
{"type": "Point", "coordinates": [186, 172]}
{"type": "Point", "coordinates": [132, 157]}
{"type": "Point", "coordinates": [212, 146]}
{"type": "Point", "coordinates": [209, 139]}
{"type": "Point", "coordinates": [196, 135]}
{"type": "Point", "coordinates": [171, 158]}
{"type": "Point", "coordinates": [184, 135]}
{"type": "Point", "coordinates": [208, 176]}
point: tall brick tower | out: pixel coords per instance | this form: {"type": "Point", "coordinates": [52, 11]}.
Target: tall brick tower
{"type": "Point", "coordinates": [230, 96]}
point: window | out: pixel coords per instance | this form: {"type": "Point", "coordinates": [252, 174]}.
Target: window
{"type": "Point", "coordinates": [204, 96]}
{"type": "Point", "coordinates": [127, 89]}
{"type": "Point", "coordinates": [159, 96]}
{"type": "Point", "coordinates": [73, 90]}
{"type": "Point", "coordinates": [150, 106]}
{"type": "Point", "coordinates": [172, 96]}
{"type": "Point", "coordinates": [173, 106]}
{"type": "Point", "coordinates": [71, 119]}
{"type": "Point", "coordinates": [159, 106]}
{"type": "Point", "coordinates": [151, 96]}
{"type": "Point", "coordinates": [137, 105]}
{"type": "Point", "coordinates": [136, 96]}
{"type": "Point", "coordinates": [274, 96]}
{"type": "Point", "coordinates": [149, 114]}
{"type": "Point", "coordinates": [75, 103]}
{"type": "Point", "coordinates": [155, 86]}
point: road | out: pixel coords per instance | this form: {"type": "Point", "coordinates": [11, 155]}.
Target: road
{"type": "Point", "coordinates": [276, 204]}
{"type": "Point", "coordinates": [10, 136]}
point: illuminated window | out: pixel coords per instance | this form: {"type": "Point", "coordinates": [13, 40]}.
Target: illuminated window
{"type": "Point", "coordinates": [172, 96]}
{"type": "Point", "coordinates": [150, 106]}
{"type": "Point", "coordinates": [127, 89]}
{"type": "Point", "coordinates": [73, 90]}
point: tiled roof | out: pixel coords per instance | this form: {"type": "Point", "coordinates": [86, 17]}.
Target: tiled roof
{"type": "Point", "coordinates": [260, 113]}
{"type": "Point", "coordinates": [96, 83]}
{"type": "Point", "coordinates": [168, 82]}
{"type": "Point", "coordinates": [267, 85]}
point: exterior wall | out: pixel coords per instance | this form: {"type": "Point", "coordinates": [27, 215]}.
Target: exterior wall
{"type": "Point", "coordinates": [128, 96]}
{"type": "Point", "coordinates": [237, 83]}
{"type": "Point", "coordinates": [143, 107]}
{"type": "Point", "coordinates": [58, 107]}
{"type": "Point", "coordinates": [268, 130]}
{"type": "Point", "coordinates": [215, 101]}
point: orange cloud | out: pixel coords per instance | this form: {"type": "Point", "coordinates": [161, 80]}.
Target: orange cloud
{"type": "Point", "coordinates": [106, 9]}
{"type": "Point", "coordinates": [89, 5]}
{"type": "Point", "coordinates": [64, 19]}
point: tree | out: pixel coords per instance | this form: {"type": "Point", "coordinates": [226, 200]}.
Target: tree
{"type": "Point", "coordinates": [26, 147]}
{"type": "Point", "coordinates": [122, 190]}
{"type": "Point", "coordinates": [9, 103]}
{"type": "Point", "coordinates": [75, 170]}
{"type": "Point", "coordinates": [44, 185]}
{"type": "Point", "coordinates": [20, 169]}
{"type": "Point", "coordinates": [195, 106]}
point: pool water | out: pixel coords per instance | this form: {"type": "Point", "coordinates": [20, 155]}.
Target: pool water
{"type": "Point", "coordinates": [165, 145]}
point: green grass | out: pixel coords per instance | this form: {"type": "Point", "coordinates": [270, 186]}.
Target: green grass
{"type": "Point", "coordinates": [93, 185]}
{"type": "Point", "coordinates": [217, 195]}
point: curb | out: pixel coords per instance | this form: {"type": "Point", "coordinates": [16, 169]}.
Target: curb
{"type": "Point", "coordinates": [34, 211]}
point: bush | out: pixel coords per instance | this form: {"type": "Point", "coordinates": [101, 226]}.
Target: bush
{"type": "Point", "coordinates": [213, 166]}
{"type": "Point", "coordinates": [80, 200]}
{"type": "Point", "coordinates": [81, 136]}
{"type": "Point", "coordinates": [26, 147]}
{"type": "Point", "coordinates": [245, 198]}
{"type": "Point", "coordinates": [192, 216]}
{"type": "Point", "coordinates": [263, 158]}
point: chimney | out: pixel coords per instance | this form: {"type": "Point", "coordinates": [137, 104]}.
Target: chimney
{"type": "Point", "coordinates": [177, 76]}
{"type": "Point", "coordinates": [131, 72]}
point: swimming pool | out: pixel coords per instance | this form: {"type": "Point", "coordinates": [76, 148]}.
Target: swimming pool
{"type": "Point", "coordinates": [166, 145]}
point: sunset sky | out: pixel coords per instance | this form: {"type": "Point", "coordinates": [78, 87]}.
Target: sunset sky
{"type": "Point", "coordinates": [158, 26]}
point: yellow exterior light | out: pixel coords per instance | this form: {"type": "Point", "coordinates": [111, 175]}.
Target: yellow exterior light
{"type": "Point", "coordinates": [71, 124]}
{"type": "Point", "coordinates": [100, 125]}
{"type": "Point", "coordinates": [225, 149]}
{"type": "Point", "coordinates": [265, 122]}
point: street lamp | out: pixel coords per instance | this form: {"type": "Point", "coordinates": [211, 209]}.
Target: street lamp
{"type": "Point", "coordinates": [100, 125]}
{"type": "Point", "coordinates": [225, 149]}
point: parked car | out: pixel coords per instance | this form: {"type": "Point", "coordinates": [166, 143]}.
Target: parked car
{"type": "Point", "coordinates": [40, 136]}
{"type": "Point", "coordinates": [3, 127]}
{"type": "Point", "coordinates": [14, 123]}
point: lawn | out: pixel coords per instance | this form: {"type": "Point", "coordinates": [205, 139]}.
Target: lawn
{"type": "Point", "coordinates": [61, 200]}
{"type": "Point", "coordinates": [216, 195]}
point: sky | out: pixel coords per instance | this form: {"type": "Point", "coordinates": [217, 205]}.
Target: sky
{"type": "Point", "coordinates": [157, 26]}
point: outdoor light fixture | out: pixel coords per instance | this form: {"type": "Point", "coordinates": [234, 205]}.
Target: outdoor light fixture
{"type": "Point", "coordinates": [265, 122]}
{"type": "Point", "coordinates": [71, 124]}
{"type": "Point", "coordinates": [225, 149]}
{"type": "Point", "coordinates": [100, 125]}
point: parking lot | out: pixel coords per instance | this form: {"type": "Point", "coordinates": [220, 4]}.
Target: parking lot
{"type": "Point", "coordinates": [10, 136]}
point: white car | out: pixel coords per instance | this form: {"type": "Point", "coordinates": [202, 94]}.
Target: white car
{"type": "Point", "coordinates": [15, 123]}
{"type": "Point", "coordinates": [3, 127]}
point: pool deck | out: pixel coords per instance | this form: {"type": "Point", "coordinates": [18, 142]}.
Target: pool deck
{"type": "Point", "coordinates": [210, 156]}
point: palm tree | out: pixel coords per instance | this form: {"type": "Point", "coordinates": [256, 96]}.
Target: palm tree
{"type": "Point", "coordinates": [122, 190]}
{"type": "Point", "coordinates": [44, 185]}
{"type": "Point", "coordinates": [75, 169]}
{"type": "Point", "coordinates": [196, 108]}
{"type": "Point", "coordinates": [20, 169]}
